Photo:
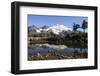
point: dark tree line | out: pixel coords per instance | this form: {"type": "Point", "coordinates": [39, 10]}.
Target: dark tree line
{"type": "Point", "coordinates": [83, 26]}
{"type": "Point", "coordinates": [83, 36]}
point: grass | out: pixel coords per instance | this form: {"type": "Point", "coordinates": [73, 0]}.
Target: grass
{"type": "Point", "coordinates": [57, 55]}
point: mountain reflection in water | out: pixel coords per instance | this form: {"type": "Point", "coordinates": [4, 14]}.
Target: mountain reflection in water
{"type": "Point", "coordinates": [44, 48]}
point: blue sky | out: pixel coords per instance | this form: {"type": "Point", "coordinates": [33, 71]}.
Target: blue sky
{"type": "Point", "coordinates": [41, 20]}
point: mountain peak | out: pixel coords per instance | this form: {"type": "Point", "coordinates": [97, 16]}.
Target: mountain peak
{"type": "Point", "coordinates": [44, 27]}
{"type": "Point", "coordinates": [56, 29]}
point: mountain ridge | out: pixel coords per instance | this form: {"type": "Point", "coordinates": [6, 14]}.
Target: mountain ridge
{"type": "Point", "coordinates": [56, 29]}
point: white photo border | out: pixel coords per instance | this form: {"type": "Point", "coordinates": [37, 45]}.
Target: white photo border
{"type": "Point", "coordinates": [45, 64]}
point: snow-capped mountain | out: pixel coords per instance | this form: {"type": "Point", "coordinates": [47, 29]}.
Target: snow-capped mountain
{"type": "Point", "coordinates": [56, 29]}
{"type": "Point", "coordinates": [33, 27]}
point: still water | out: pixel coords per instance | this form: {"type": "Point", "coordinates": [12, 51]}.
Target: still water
{"type": "Point", "coordinates": [44, 48]}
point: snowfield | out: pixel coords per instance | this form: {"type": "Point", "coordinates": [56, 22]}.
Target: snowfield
{"type": "Point", "coordinates": [56, 29]}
